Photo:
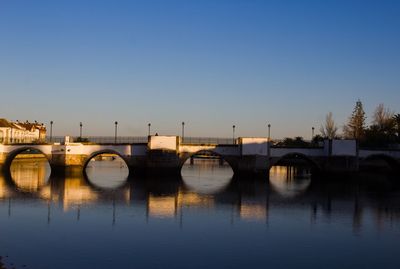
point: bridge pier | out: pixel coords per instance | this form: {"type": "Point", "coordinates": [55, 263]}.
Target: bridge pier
{"type": "Point", "coordinates": [341, 165]}
{"type": "Point", "coordinates": [72, 170]}
{"type": "Point", "coordinates": [163, 162]}
{"type": "Point", "coordinates": [256, 166]}
{"type": "Point", "coordinates": [3, 157]}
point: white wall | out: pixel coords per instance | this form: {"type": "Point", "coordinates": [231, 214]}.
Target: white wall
{"type": "Point", "coordinates": [254, 145]}
{"type": "Point", "coordinates": [46, 149]}
{"type": "Point", "coordinates": [78, 148]}
{"type": "Point", "coordinates": [344, 147]}
{"type": "Point", "coordinates": [163, 142]}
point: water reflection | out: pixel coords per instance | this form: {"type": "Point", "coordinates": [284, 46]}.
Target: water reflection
{"type": "Point", "coordinates": [249, 199]}
{"type": "Point", "coordinates": [289, 181]}
{"type": "Point", "coordinates": [206, 176]}
{"type": "Point", "coordinates": [30, 174]}
{"type": "Point", "coordinates": [166, 220]}
{"type": "Point", "coordinates": [5, 190]}
{"type": "Point", "coordinates": [162, 206]}
{"type": "Point", "coordinates": [107, 171]}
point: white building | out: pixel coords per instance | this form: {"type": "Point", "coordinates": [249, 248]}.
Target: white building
{"type": "Point", "coordinates": [21, 132]}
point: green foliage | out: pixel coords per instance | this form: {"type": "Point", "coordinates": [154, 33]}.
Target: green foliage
{"type": "Point", "coordinates": [294, 142]}
{"type": "Point", "coordinates": [384, 130]}
{"type": "Point", "coordinates": [317, 139]}
{"type": "Point", "coordinates": [376, 137]}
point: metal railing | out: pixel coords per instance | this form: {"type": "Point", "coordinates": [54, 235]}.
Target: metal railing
{"type": "Point", "coordinates": [138, 139]}
{"type": "Point", "coordinates": [208, 140]}
{"type": "Point", "coordinates": [102, 139]}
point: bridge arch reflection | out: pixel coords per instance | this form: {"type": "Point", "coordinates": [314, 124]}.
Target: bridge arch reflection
{"type": "Point", "coordinates": [28, 169]}
{"type": "Point", "coordinates": [106, 170]}
{"type": "Point", "coordinates": [206, 172]}
{"type": "Point", "coordinates": [380, 162]}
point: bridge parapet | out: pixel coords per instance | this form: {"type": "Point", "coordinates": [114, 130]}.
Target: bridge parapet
{"type": "Point", "coordinates": [311, 152]}
{"type": "Point", "coordinates": [394, 153]}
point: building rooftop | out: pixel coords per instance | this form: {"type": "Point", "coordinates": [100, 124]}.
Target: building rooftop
{"type": "Point", "coordinates": [30, 126]}
{"type": "Point", "coordinates": [5, 123]}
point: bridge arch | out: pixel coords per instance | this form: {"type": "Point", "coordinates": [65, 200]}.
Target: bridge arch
{"type": "Point", "coordinates": [10, 158]}
{"type": "Point", "coordinates": [104, 151]}
{"type": "Point", "coordinates": [11, 155]}
{"type": "Point", "coordinates": [211, 152]}
{"type": "Point", "coordinates": [392, 163]}
{"type": "Point", "coordinates": [295, 155]}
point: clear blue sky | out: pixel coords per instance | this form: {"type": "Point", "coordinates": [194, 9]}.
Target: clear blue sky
{"type": "Point", "coordinates": [208, 63]}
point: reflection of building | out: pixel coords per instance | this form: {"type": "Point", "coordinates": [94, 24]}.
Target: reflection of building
{"type": "Point", "coordinates": [76, 192]}
{"type": "Point", "coordinates": [168, 206]}
{"type": "Point", "coordinates": [253, 211]}
{"type": "Point", "coordinates": [21, 132]}
{"type": "Point", "coordinates": [164, 206]}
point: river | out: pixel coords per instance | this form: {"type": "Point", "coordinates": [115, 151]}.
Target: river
{"type": "Point", "coordinates": [207, 218]}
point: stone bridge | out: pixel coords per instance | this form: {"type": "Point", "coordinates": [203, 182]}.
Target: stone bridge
{"type": "Point", "coordinates": [166, 154]}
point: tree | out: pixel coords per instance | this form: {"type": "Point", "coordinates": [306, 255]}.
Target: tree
{"type": "Point", "coordinates": [329, 129]}
{"type": "Point", "coordinates": [396, 119]}
{"type": "Point", "coordinates": [355, 127]}
{"type": "Point", "coordinates": [383, 117]}
{"type": "Point", "coordinates": [298, 141]}
{"type": "Point", "coordinates": [382, 132]}
{"type": "Point", "coordinates": [317, 139]}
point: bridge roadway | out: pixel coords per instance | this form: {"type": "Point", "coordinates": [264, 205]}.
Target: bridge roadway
{"type": "Point", "coordinates": [166, 155]}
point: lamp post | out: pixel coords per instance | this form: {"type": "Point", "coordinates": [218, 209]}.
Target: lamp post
{"type": "Point", "coordinates": [312, 133]}
{"type": "Point", "coordinates": [183, 130]}
{"type": "Point", "coordinates": [233, 133]}
{"type": "Point", "coordinates": [149, 126]}
{"type": "Point", "coordinates": [115, 136]}
{"type": "Point", "coordinates": [51, 130]}
{"type": "Point", "coordinates": [80, 130]}
{"type": "Point", "coordinates": [269, 132]}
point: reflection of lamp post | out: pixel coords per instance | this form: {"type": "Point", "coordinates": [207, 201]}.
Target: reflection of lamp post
{"type": "Point", "coordinates": [269, 132]}
{"type": "Point", "coordinates": [115, 137]}
{"type": "Point", "coordinates": [233, 133]}
{"type": "Point", "coordinates": [51, 130]}
{"type": "Point", "coordinates": [80, 130]}
{"type": "Point", "coordinates": [149, 125]}
{"type": "Point", "coordinates": [183, 130]}
{"type": "Point", "coordinates": [312, 133]}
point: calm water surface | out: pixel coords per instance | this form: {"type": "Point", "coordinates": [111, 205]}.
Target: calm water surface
{"type": "Point", "coordinates": [204, 219]}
